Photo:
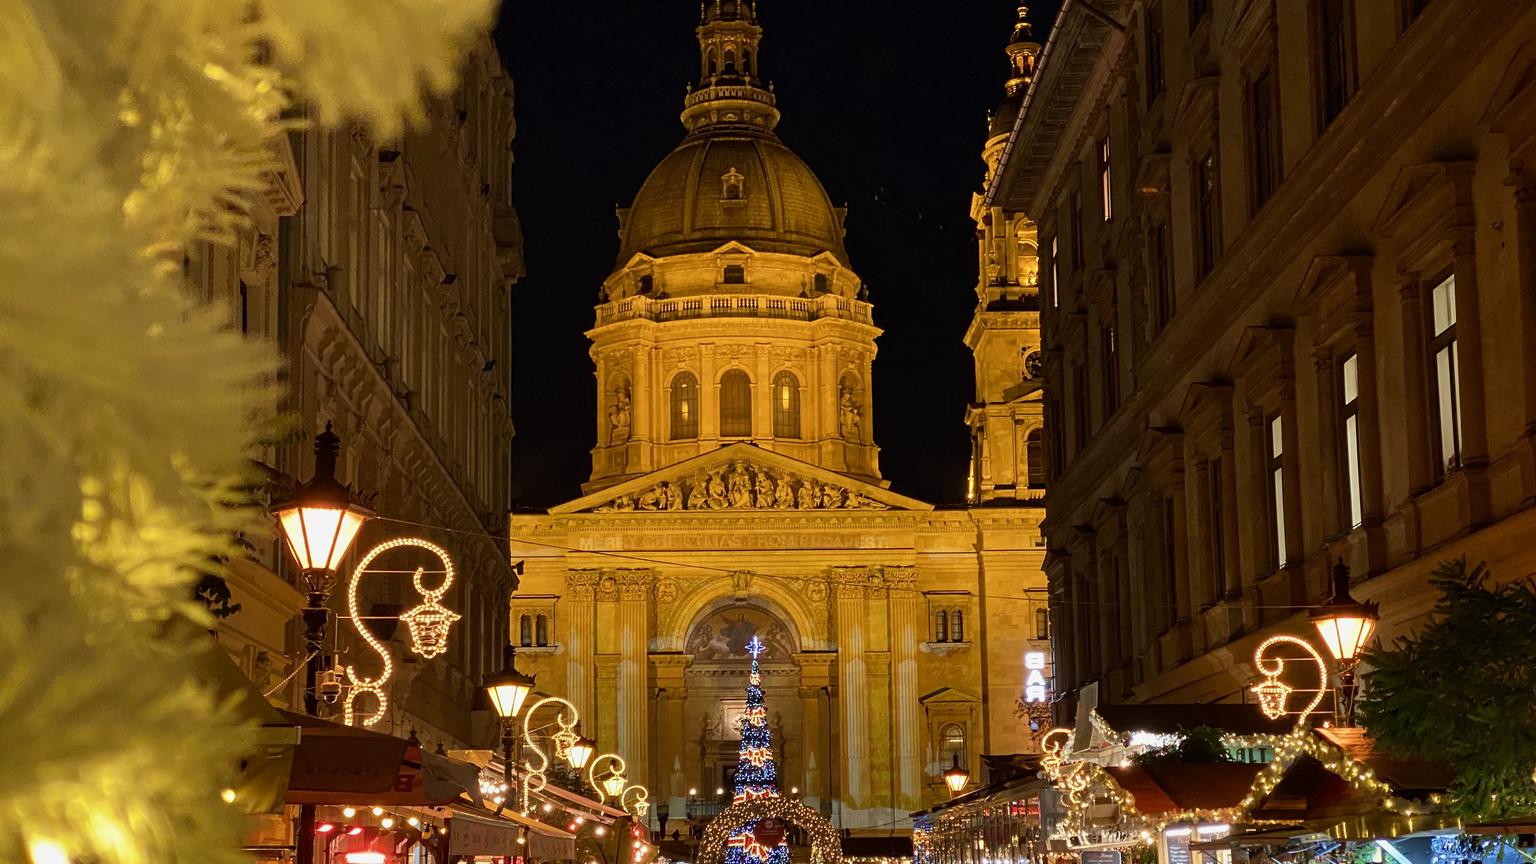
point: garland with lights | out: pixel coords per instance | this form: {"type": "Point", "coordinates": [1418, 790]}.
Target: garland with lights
{"type": "Point", "coordinates": [826, 846]}
{"type": "Point", "coordinates": [428, 624]}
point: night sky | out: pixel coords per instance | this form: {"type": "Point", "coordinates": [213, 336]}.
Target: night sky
{"type": "Point", "coordinates": [886, 101]}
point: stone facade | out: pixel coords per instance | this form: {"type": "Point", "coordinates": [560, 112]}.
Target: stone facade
{"type": "Point", "coordinates": [1288, 249]}
{"type": "Point", "coordinates": [382, 272]}
{"type": "Point", "coordinates": [748, 501]}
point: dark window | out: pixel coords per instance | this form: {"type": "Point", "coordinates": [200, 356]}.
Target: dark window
{"type": "Point", "coordinates": [1213, 515]}
{"type": "Point", "coordinates": [1155, 80]}
{"type": "Point", "coordinates": [1160, 251]}
{"type": "Point", "coordinates": [1110, 369]}
{"type": "Point", "coordinates": [1198, 9]}
{"type": "Point", "coordinates": [525, 630]}
{"type": "Point", "coordinates": [1412, 9]}
{"type": "Point", "coordinates": [1207, 213]}
{"type": "Point", "coordinates": [1054, 280]}
{"type": "Point", "coordinates": [1444, 366]}
{"type": "Point", "coordinates": [1034, 458]}
{"type": "Point", "coordinates": [735, 274]}
{"type": "Point", "coordinates": [956, 626]}
{"type": "Point", "coordinates": [941, 626]}
{"type": "Point", "coordinates": [685, 407]}
{"type": "Point", "coordinates": [245, 307]}
{"type": "Point", "coordinates": [735, 404]}
{"type": "Point", "coordinates": [1337, 60]}
{"type": "Point", "coordinates": [1042, 623]}
{"type": "Point", "coordinates": [819, 283]}
{"type": "Point", "coordinates": [1264, 135]}
{"type": "Point", "coordinates": [1077, 232]}
{"type": "Point", "coordinates": [1079, 397]}
{"type": "Point", "coordinates": [1170, 563]}
{"type": "Point", "coordinates": [786, 405]}
{"type": "Point", "coordinates": [541, 630]}
{"type": "Point", "coordinates": [647, 284]}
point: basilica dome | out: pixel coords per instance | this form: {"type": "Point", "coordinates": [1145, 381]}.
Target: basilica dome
{"type": "Point", "coordinates": [732, 183]}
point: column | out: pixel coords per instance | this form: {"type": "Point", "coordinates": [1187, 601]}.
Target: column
{"type": "Point", "coordinates": [605, 721]}
{"type": "Point", "coordinates": [1335, 483]}
{"type": "Point", "coordinates": [820, 763]}
{"type": "Point", "coordinates": [580, 645]}
{"type": "Point", "coordinates": [853, 691]}
{"type": "Point", "coordinates": [1369, 422]}
{"type": "Point", "coordinates": [1470, 376]}
{"type": "Point", "coordinates": [1231, 569]}
{"type": "Point", "coordinates": [1421, 475]}
{"type": "Point", "coordinates": [668, 788]}
{"type": "Point", "coordinates": [634, 667]}
{"type": "Point", "coordinates": [907, 622]}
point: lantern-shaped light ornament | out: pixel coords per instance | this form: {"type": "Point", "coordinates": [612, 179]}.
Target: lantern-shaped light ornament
{"type": "Point", "coordinates": [323, 517]}
{"type": "Point", "coordinates": [1271, 693]}
{"type": "Point", "coordinates": [509, 688]}
{"type": "Point", "coordinates": [429, 625]}
{"type": "Point", "coordinates": [1345, 624]}
{"type": "Point", "coordinates": [956, 777]}
{"type": "Point", "coordinates": [579, 753]}
{"type": "Point", "coordinates": [614, 783]}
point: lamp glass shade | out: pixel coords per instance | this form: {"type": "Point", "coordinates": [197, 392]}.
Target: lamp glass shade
{"type": "Point", "coordinates": [319, 536]}
{"type": "Point", "coordinates": [1345, 629]}
{"type": "Point", "coordinates": [580, 753]}
{"type": "Point", "coordinates": [508, 690]}
{"type": "Point", "coordinates": [613, 784]}
{"type": "Point", "coordinates": [956, 777]}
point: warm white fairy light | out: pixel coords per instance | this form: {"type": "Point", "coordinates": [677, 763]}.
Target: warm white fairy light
{"type": "Point", "coordinates": [565, 735]}
{"type": "Point", "coordinates": [428, 624]}
{"type": "Point", "coordinates": [1273, 693]}
{"type": "Point", "coordinates": [826, 846]}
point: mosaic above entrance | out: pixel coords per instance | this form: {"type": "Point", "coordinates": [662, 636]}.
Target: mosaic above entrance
{"type": "Point", "coordinates": [725, 634]}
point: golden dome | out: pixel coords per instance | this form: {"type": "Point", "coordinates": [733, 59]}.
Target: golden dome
{"type": "Point", "coordinates": [731, 183]}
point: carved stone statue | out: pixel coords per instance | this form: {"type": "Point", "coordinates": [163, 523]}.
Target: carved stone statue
{"type": "Point", "coordinates": [848, 414]}
{"type": "Point", "coordinates": [717, 491]}
{"type": "Point", "coordinates": [764, 498]}
{"type": "Point", "coordinates": [650, 499]}
{"type": "Point", "coordinates": [696, 495]}
{"type": "Point", "coordinates": [741, 488]}
{"type": "Point", "coordinates": [671, 499]}
{"type": "Point", "coordinates": [619, 416]}
{"type": "Point", "coordinates": [831, 497]}
{"type": "Point", "coordinates": [807, 496]}
{"type": "Point", "coordinates": [783, 494]}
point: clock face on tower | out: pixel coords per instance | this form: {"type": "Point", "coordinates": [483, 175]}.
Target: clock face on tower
{"type": "Point", "coordinates": [1033, 365]}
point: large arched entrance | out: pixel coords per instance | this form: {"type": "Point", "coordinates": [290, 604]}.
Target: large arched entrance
{"type": "Point", "coordinates": [715, 699]}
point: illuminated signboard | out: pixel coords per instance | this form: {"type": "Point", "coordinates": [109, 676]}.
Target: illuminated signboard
{"type": "Point", "coordinates": [1036, 689]}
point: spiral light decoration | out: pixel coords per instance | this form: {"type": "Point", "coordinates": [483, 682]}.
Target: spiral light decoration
{"type": "Point", "coordinates": [535, 766]}
{"type": "Point", "coordinates": [1273, 693]}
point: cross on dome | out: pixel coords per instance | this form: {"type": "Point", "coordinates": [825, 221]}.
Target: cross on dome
{"type": "Point", "coordinates": [756, 647]}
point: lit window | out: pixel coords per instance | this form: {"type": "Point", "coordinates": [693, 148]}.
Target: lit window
{"type": "Point", "coordinates": [1276, 476]}
{"type": "Point", "coordinates": [1349, 413]}
{"type": "Point", "coordinates": [1106, 193]}
{"type": "Point", "coordinates": [952, 745]}
{"type": "Point", "coordinates": [786, 405]}
{"type": "Point", "coordinates": [1444, 364]}
{"type": "Point", "coordinates": [956, 626]}
{"type": "Point", "coordinates": [1207, 213]}
{"type": "Point", "coordinates": [735, 404]}
{"type": "Point", "coordinates": [685, 407]}
{"type": "Point", "coordinates": [1053, 272]}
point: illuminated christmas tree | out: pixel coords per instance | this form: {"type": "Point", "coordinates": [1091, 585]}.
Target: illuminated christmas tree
{"type": "Point", "coordinates": [756, 777]}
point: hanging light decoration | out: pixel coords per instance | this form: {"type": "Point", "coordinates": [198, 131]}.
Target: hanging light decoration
{"type": "Point", "coordinates": [956, 777]}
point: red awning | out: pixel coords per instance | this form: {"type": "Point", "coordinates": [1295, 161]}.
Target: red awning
{"type": "Point", "coordinates": [336, 764]}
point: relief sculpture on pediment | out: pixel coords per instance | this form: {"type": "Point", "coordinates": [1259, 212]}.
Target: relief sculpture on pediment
{"type": "Point", "coordinates": [742, 486]}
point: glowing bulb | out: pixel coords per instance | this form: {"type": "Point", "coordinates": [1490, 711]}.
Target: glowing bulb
{"type": "Point", "coordinates": [228, 795]}
{"type": "Point", "coordinates": [378, 811]}
{"type": "Point", "coordinates": [521, 840]}
{"type": "Point", "coordinates": [387, 822]}
{"type": "Point", "coordinates": [349, 812]}
{"type": "Point", "coordinates": [693, 792]}
{"type": "Point", "coordinates": [47, 852]}
{"type": "Point", "coordinates": [599, 830]}
{"type": "Point", "coordinates": [548, 808]}
{"type": "Point", "coordinates": [443, 830]}
{"type": "Point", "coordinates": [413, 822]}
{"type": "Point", "coordinates": [581, 820]}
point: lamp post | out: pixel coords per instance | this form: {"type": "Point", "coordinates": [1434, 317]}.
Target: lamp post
{"type": "Point", "coordinates": [1345, 626]}
{"type": "Point", "coordinates": [956, 777]}
{"type": "Point", "coordinates": [319, 522]}
{"type": "Point", "coordinates": [508, 690]}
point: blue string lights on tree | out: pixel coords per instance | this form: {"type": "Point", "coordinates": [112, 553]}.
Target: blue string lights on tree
{"type": "Point", "coordinates": [762, 841]}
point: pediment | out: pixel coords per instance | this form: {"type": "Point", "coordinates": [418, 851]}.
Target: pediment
{"type": "Point", "coordinates": [946, 694]}
{"type": "Point", "coordinates": [741, 477]}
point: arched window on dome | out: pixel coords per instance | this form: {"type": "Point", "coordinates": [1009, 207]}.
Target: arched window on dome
{"type": "Point", "coordinates": [735, 405]}
{"type": "Point", "coordinates": [730, 61]}
{"type": "Point", "coordinates": [685, 407]}
{"type": "Point", "coordinates": [735, 274]}
{"type": "Point", "coordinates": [786, 405]}
{"type": "Point", "coordinates": [820, 284]}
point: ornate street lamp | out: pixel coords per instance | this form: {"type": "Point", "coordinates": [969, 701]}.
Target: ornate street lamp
{"type": "Point", "coordinates": [319, 523]}
{"type": "Point", "coordinates": [580, 752]}
{"type": "Point", "coordinates": [614, 783]}
{"type": "Point", "coordinates": [1346, 627]}
{"type": "Point", "coordinates": [956, 777]}
{"type": "Point", "coordinates": [508, 690]}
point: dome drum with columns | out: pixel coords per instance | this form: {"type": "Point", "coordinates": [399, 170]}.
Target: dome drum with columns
{"type": "Point", "coordinates": [736, 493]}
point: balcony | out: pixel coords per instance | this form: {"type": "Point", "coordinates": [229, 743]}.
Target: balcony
{"type": "Point", "coordinates": [735, 306]}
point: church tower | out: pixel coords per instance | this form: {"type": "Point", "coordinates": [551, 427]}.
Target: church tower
{"type": "Point", "coordinates": [1006, 418]}
{"type": "Point", "coordinates": [732, 314]}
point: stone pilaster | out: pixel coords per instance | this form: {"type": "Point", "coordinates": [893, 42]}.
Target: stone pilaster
{"type": "Point", "coordinates": [907, 622]}
{"type": "Point", "coordinates": [669, 688]}
{"type": "Point", "coordinates": [815, 712]}
{"type": "Point", "coordinates": [853, 691]}
{"type": "Point", "coordinates": [632, 620]}
{"type": "Point", "coordinates": [607, 729]}
{"type": "Point", "coordinates": [580, 640]}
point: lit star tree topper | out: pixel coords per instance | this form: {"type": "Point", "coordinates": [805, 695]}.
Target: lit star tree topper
{"type": "Point", "coordinates": [756, 776]}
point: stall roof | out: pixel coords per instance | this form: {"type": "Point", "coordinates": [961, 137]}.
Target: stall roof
{"type": "Point", "coordinates": [1407, 776]}
{"type": "Point", "coordinates": [1169, 718]}
{"type": "Point", "coordinates": [337, 764]}
{"type": "Point", "coordinates": [1177, 786]}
